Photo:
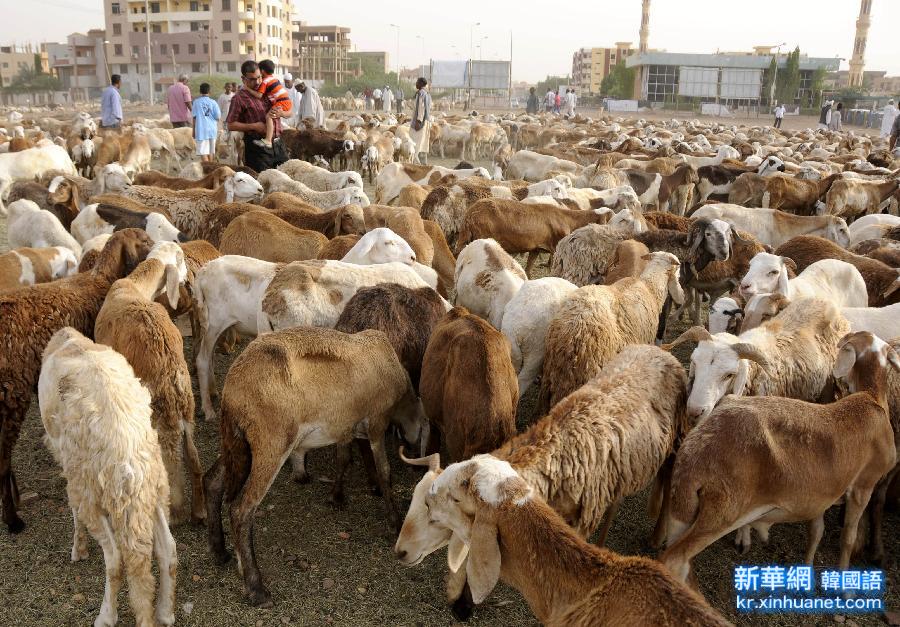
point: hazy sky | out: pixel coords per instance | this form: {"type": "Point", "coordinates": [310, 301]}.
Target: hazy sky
{"type": "Point", "coordinates": [544, 34]}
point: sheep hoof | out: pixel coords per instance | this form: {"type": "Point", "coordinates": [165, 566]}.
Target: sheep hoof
{"type": "Point", "coordinates": [301, 477]}
{"type": "Point", "coordinates": [337, 501]}
{"type": "Point", "coordinates": [462, 608]}
{"type": "Point", "coordinates": [168, 619]}
{"type": "Point", "coordinates": [198, 518]}
{"type": "Point", "coordinates": [260, 598]}
{"type": "Point", "coordinates": [221, 558]}
{"type": "Point", "coordinates": [16, 525]}
{"type": "Point", "coordinates": [79, 553]}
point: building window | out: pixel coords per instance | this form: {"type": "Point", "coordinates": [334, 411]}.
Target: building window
{"type": "Point", "coordinates": [134, 51]}
{"type": "Point", "coordinates": [155, 28]}
{"type": "Point", "coordinates": [226, 26]}
{"type": "Point", "coordinates": [117, 50]}
{"type": "Point", "coordinates": [117, 29]}
{"type": "Point", "coordinates": [226, 46]}
{"type": "Point", "coordinates": [259, 27]}
{"type": "Point", "coordinates": [157, 68]}
{"type": "Point", "coordinates": [195, 26]}
{"type": "Point", "coordinates": [163, 48]}
{"type": "Point", "coordinates": [123, 68]}
{"type": "Point", "coordinates": [154, 7]}
{"type": "Point", "coordinates": [116, 9]}
{"type": "Point", "coordinates": [192, 49]}
{"type": "Point", "coordinates": [195, 6]}
{"type": "Point", "coordinates": [176, 48]}
{"type": "Point", "coordinates": [232, 66]}
{"type": "Point", "coordinates": [196, 68]}
{"type": "Point", "coordinates": [157, 87]}
{"type": "Point", "coordinates": [205, 48]}
{"type": "Point", "coordinates": [226, 5]}
{"type": "Point", "coordinates": [662, 83]}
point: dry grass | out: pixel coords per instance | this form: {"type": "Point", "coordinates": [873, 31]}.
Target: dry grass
{"type": "Point", "coordinates": [325, 566]}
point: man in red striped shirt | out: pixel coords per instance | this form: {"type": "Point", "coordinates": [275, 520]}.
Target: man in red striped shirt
{"type": "Point", "coordinates": [248, 115]}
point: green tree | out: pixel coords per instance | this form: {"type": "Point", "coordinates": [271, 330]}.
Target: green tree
{"type": "Point", "coordinates": [768, 75]}
{"type": "Point", "coordinates": [619, 83]}
{"type": "Point", "coordinates": [28, 81]}
{"type": "Point", "coordinates": [816, 86]}
{"type": "Point", "coordinates": [788, 82]}
{"type": "Point", "coordinates": [551, 82]}
{"type": "Point", "coordinates": [216, 84]}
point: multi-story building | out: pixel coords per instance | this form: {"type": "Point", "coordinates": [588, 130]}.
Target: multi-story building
{"type": "Point", "coordinates": [193, 37]}
{"type": "Point", "coordinates": [322, 53]}
{"type": "Point", "coordinates": [886, 86]}
{"type": "Point", "coordinates": [13, 59]}
{"type": "Point", "coordinates": [376, 57]}
{"type": "Point", "coordinates": [81, 64]}
{"type": "Point", "coordinates": [591, 65]}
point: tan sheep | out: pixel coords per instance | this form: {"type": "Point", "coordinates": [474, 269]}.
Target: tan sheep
{"type": "Point", "coordinates": [262, 235]}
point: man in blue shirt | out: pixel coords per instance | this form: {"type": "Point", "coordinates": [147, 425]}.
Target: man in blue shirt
{"type": "Point", "coordinates": [111, 104]}
{"type": "Point", "coordinates": [206, 114]}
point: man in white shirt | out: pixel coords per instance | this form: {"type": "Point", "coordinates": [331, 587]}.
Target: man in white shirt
{"type": "Point", "coordinates": [779, 115]}
{"type": "Point", "coordinates": [570, 103]}
{"type": "Point", "coordinates": [224, 101]}
{"type": "Point", "coordinates": [295, 97]}
{"type": "Point", "coordinates": [549, 100]}
{"type": "Point", "coordinates": [890, 113]}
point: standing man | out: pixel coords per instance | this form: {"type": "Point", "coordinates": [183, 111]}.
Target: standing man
{"type": "Point", "coordinates": [310, 106]}
{"type": "Point", "coordinates": [779, 115]}
{"type": "Point", "coordinates": [890, 114]}
{"type": "Point", "coordinates": [224, 100]}
{"type": "Point", "coordinates": [248, 116]}
{"type": "Point", "coordinates": [825, 115]}
{"type": "Point", "coordinates": [549, 100]}
{"type": "Point", "coordinates": [295, 97]}
{"type": "Point", "coordinates": [387, 97]}
{"type": "Point", "coordinates": [570, 103]}
{"type": "Point", "coordinates": [420, 124]}
{"type": "Point", "coordinates": [531, 105]}
{"type": "Point", "coordinates": [206, 123]}
{"type": "Point", "coordinates": [111, 104]}
{"type": "Point", "coordinates": [178, 98]}
{"type": "Point", "coordinates": [895, 133]}
{"type": "Point", "coordinates": [398, 98]}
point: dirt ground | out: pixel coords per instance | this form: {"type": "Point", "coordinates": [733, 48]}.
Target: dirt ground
{"type": "Point", "coordinates": [326, 566]}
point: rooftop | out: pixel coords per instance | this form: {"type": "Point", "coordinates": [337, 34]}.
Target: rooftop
{"type": "Point", "coordinates": [727, 60]}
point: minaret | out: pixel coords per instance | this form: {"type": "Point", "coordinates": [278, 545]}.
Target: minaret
{"type": "Point", "coordinates": [857, 61]}
{"type": "Point", "coordinates": [645, 25]}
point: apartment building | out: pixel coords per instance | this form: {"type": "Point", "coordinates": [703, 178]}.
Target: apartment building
{"type": "Point", "coordinates": [591, 65]}
{"type": "Point", "coordinates": [80, 64]}
{"type": "Point", "coordinates": [13, 59]}
{"type": "Point", "coordinates": [322, 53]}
{"type": "Point", "coordinates": [193, 37]}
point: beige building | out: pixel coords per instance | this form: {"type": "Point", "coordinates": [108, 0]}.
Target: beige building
{"type": "Point", "coordinates": [80, 64]}
{"type": "Point", "coordinates": [591, 65]}
{"type": "Point", "coordinates": [13, 59]}
{"type": "Point", "coordinates": [886, 86]}
{"type": "Point", "coordinates": [378, 57]}
{"type": "Point", "coordinates": [322, 53]}
{"type": "Point", "coordinates": [194, 37]}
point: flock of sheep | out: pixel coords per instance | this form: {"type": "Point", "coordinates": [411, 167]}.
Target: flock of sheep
{"type": "Point", "coordinates": [411, 312]}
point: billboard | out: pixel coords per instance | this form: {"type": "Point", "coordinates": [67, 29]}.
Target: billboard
{"type": "Point", "coordinates": [490, 75]}
{"type": "Point", "coordinates": [741, 83]}
{"type": "Point", "coordinates": [449, 74]}
{"type": "Point", "coordinates": [455, 74]}
{"type": "Point", "coordinates": [698, 81]}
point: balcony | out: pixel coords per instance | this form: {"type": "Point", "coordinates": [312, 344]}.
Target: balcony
{"type": "Point", "coordinates": [171, 16]}
{"type": "Point", "coordinates": [246, 15]}
{"type": "Point", "coordinates": [250, 36]}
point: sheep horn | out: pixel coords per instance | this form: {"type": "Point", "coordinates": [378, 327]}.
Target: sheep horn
{"type": "Point", "coordinates": [745, 350]}
{"type": "Point", "coordinates": [694, 334]}
{"type": "Point", "coordinates": [433, 461]}
{"type": "Point", "coordinates": [893, 287]}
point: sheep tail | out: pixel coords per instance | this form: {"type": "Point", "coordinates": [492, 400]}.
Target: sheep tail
{"type": "Point", "coordinates": [237, 456]}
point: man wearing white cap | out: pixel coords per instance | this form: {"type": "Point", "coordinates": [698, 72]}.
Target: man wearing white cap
{"type": "Point", "coordinates": [310, 106]}
{"type": "Point", "coordinates": [387, 98]}
{"type": "Point", "coordinates": [890, 113]}
{"type": "Point", "coordinates": [295, 97]}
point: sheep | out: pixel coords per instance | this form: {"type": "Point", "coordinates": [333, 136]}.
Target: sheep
{"type": "Point", "coordinates": [532, 166]}
{"type": "Point", "coordinates": [468, 386]}
{"type": "Point", "coordinates": [308, 143]}
{"type": "Point", "coordinates": [188, 207]}
{"type": "Point", "coordinates": [852, 198]}
{"type": "Point", "coordinates": [116, 484]}
{"type": "Point", "coordinates": [486, 278]}
{"type": "Point", "coordinates": [29, 226]}
{"type": "Point", "coordinates": [268, 415]}
{"type": "Point", "coordinates": [28, 317]}
{"type": "Point", "coordinates": [881, 280]}
{"type": "Point", "coordinates": [265, 236]}
{"type": "Point", "coordinates": [850, 441]}
{"type": "Point", "coordinates": [413, 195]}
{"type": "Point", "coordinates": [380, 245]}
{"type": "Point", "coordinates": [276, 181]}
{"type": "Point", "coordinates": [830, 279]}
{"type": "Point", "coordinates": [483, 504]}
{"type": "Point", "coordinates": [259, 296]}
{"type": "Point", "coordinates": [320, 179]}
{"type": "Point", "coordinates": [213, 180]}
{"type": "Point", "coordinates": [395, 176]}
{"type": "Point", "coordinates": [28, 266]}
{"type": "Point", "coordinates": [97, 219]}
{"type": "Point", "coordinates": [338, 246]}
{"type": "Point", "coordinates": [594, 323]}
{"type": "Point", "coordinates": [602, 443]}
{"type": "Point", "coordinates": [526, 318]}
{"type": "Point", "coordinates": [73, 191]}
{"type": "Point", "coordinates": [30, 164]}
{"type": "Point", "coordinates": [405, 222]}
{"type": "Point", "coordinates": [725, 316]}
{"type": "Point", "coordinates": [628, 260]}
{"type": "Point", "coordinates": [520, 228]}
{"type": "Point", "coordinates": [140, 329]}
{"type": "Point", "coordinates": [772, 227]}
{"type": "Point", "coordinates": [137, 156]}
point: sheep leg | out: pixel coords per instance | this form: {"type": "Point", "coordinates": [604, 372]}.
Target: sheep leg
{"type": "Point", "coordinates": [463, 606]}
{"type": "Point", "coordinates": [531, 368]}
{"type": "Point", "coordinates": [263, 471]}
{"type": "Point", "coordinates": [341, 463]}
{"type": "Point", "coordinates": [660, 499]}
{"type": "Point", "coordinates": [743, 540]}
{"type": "Point", "coordinates": [79, 540]}
{"type": "Point", "coordinates": [365, 453]}
{"type": "Point", "coordinates": [112, 559]}
{"type": "Point", "coordinates": [816, 529]}
{"type": "Point", "coordinates": [876, 517]}
{"type": "Point", "coordinates": [706, 529]}
{"type": "Point", "coordinates": [198, 506]}
{"type": "Point", "coordinates": [9, 493]}
{"type": "Point", "coordinates": [532, 256]}
{"type": "Point", "coordinates": [298, 465]}
{"type": "Point", "coordinates": [205, 377]}
{"type": "Point", "coordinates": [167, 560]}
{"type": "Point", "coordinates": [383, 468]}
{"type": "Point", "coordinates": [141, 587]}
{"type": "Point", "coordinates": [172, 460]}
{"type": "Point", "coordinates": [608, 517]}
{"type": "Point", "coordinates": [214, 486]}
{"type": "Point", "coordinates": [854, 506]}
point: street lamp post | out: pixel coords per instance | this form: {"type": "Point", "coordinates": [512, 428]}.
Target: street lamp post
{"type": "Point", "coordinates": [471, 53]}
{"type": "Point", "coordinates": [775, 74]}
{"type": "Point", "coordinates": [106, 61]}
{"type": "Point", "coordinates": [398, 53]}
{"type": "Point", "coordinates": [149, 48]}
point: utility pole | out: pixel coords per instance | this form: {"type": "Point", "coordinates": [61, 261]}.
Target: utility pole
{"type": "Point", "coordinates": [149, 48]}
{"type": "Point", "coordinates": [174, 69]}
{"type": "Point", "coordinates": [775, 75]}
{"type": "Point", "coordinates": [210, 47]}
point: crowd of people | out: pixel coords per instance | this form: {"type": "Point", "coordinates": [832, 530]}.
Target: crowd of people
{"type": "Point", "coordinates": [553, 102]}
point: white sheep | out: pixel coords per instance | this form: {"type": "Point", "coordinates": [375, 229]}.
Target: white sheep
{"type": "Point", "coordinates": [831, 279]}
{"type": "Point", "coordinates": [487, 278]}
{"type": "Point", "coordinates": [277, 181]}
{"type": "Point", "coordinates": [96, 415]}
{"type": "Point", "coordinates": [320, 179]}
{"type": "Point", "coordinates": [30, 164]}
{"type": "Point", "coordinates": [32, 227]}
{"type": "Point", "coordinates": [88, 224]}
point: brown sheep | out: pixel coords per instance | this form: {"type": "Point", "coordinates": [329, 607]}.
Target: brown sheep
{"type": "Point", "coordinates": [882, 281]}
{"type": "Point", "coordinates": [123, 202]}
{"type": "Point", "coordinates": [28, 318]}
{"type": "Point", "coordinates": [666, 220]}
{"type": "Point", "coordinates": [337, 247]}
{"type": "Point", "coordinates": [405, 222]}
{"type": "Point", "coordinates": [627, 261]}
{"type": "Point", "coordinates": [261, 235]}
{"type": "Point", "coordinates": [284, 200]}
{"type": "Point", "coordinates": [469, 386]}
{"type": "Point", "coordinates": [22, 267]}
{"type": "Point", "coordinates": [213, 180]}
{"type": "Point", "coordinates": [444, 263]}
{"type": "Point", "coordinates": [413, 195]}
{"type": "Point", "coordinates": [523, 228]}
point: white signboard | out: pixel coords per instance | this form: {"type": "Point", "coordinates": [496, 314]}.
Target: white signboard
{"type": "Point", "coordinates": [741, 83]}
{"type": "Point", "coordinates": [448, 74]}
{"type": "Point", "coordinates": [621, 105]}
{"type": "Point", "coordinates": [697, 81]}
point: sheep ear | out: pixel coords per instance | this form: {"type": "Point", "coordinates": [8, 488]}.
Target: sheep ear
{"type": "Point", "coordinates": [172, 285]}
{"type": "Point", "coordinates": [892, 358]}
{"type": "Point", "coordinates": [338, 219]}
{"type": "Point", "coordinates": [844, 363]}
{"type": "Point", "coordinates": [893, 287]}
{"type": "Point", "coordinates": [790, 264]}
{"type": "Point", "coordinates": [483, 566]}
{"type": "Point", "coordinates": [741, 378]}
{"type": "Point", "coordinates": [782, 287]}
{"type": "Point", "coordinates": [229, 189]}
{"type": "Point", "coordinates": [457, 551]}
